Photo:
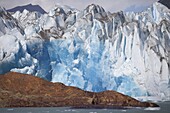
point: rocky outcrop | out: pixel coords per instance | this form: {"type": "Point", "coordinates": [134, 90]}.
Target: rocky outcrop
{"type": "Point", "coordinates": [22, 90]}
{"type": "Point", "coordinates": [165, 2]}
{"type": "Point", "coordinates": [28, 7]}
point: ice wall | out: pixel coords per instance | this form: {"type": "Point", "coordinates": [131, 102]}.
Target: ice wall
{"type": "Point", "coordinates": [91, 49]}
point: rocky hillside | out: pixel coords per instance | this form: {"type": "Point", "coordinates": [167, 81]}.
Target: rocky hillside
{"type": "Point", "coordinates": [21, 90]}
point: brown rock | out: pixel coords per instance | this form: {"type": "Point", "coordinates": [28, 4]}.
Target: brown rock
{"type": "Point", "coordinates": [22, 90]}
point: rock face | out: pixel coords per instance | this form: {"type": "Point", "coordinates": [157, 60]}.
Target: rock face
{"type": "Point", "coordinates": [165, 2]}
{"type": "Point", "coordinates": [28, 7]}
{"type": "Point", "coordinates": [22, 90]}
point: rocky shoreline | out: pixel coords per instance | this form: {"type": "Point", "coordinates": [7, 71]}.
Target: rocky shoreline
{"type": "Point", "coordinates": [22, 90]}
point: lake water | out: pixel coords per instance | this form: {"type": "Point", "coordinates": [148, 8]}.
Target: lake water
{"type": "Point", "coordinates": [164, 108]}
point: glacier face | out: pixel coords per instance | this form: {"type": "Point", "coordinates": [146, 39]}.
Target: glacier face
{"type": "Point", "coordinates": [92, 49]}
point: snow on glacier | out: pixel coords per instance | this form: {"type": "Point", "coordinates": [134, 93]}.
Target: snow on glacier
{"type": "Point", "coordinates": [91, 49]}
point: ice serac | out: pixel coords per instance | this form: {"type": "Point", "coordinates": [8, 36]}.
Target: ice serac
{"type": "Point", "coordinates": [12, 44]}
{"type": "Point", "coordinates": [92, 49]}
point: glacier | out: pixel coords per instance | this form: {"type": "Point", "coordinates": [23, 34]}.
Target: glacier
{"type": "Point", "coordinates": [91, 49]}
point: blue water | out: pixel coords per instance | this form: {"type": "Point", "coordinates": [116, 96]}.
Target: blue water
{"type": "Point", "coordinates": [164, 108]}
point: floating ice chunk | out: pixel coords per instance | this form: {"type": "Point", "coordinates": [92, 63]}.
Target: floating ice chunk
{"type": "Point", "coordinates": [152, 109]}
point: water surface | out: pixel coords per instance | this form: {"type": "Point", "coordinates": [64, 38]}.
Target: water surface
{"type": "Point", "coordinates": [164, 108]}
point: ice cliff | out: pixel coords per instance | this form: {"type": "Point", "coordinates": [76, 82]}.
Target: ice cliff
{"type": "Point", "coordinates": [92, 49]}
